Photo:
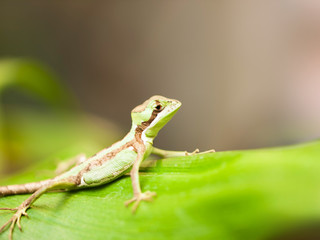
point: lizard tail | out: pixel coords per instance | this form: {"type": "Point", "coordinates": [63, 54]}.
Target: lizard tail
{"type": "Point", "coordinates": [22, 188]}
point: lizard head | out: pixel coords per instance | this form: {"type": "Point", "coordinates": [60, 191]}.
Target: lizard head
{"type": "Point", "coordinates": [153, 114]}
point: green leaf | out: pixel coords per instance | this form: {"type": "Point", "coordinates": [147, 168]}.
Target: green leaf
{"type": "Point", "coordinates": [34, 78]}
{"type": "Point", "coordinates": [28, 134]}
{"type": "Point", "coordinates": [37, 81]}
{"type": "Point", "coordinates": [33, 134]}
{"type": "Point", "coordinates": [253, 194]}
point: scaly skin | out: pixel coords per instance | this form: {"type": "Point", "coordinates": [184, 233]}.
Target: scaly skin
{"type": "Point", "coordinates": [110, 163]}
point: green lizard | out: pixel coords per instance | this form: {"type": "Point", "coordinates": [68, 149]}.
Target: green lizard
{"type": "Point", "coordinates": [123, 156]}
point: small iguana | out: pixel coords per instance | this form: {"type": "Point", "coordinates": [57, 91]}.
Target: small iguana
{"type": "Point", "coordinates": [107, 165]}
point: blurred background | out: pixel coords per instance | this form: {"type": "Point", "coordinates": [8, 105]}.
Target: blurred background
{"type": "Point", "coordinates": [247, 73]}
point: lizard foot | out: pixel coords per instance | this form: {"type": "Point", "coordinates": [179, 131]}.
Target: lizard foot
{"type": "Point", "coordinates": [146, 196]}
{"type": "Point", "coordinates": [197, 151]}
{"type": "Point", "coordinates": [15, 219]}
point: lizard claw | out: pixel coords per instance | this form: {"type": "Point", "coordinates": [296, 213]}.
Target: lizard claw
{"type": "Point", "coordinates": [146, 196]}
{"type": "Point", "coordinates": [197, 151]}
{"type": "Point", "coordinates": [193, 153]}
{"type": "Point", "coordinates": [15, 219]}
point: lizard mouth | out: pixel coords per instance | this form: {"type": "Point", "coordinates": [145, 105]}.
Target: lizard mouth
{"type": "Point", "coordinates": [172, 108]}
{"type": "Point", "coordinates": [176, 104]}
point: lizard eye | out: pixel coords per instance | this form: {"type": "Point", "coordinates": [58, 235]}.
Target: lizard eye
{"type": "Point", "coordinates": [159, 107]}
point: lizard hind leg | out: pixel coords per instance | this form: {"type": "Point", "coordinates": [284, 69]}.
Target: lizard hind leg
{"type": "Point", "coordinates": [21, 210]}
{"type": "Point", "coordinates": [15, 219]}
{"type": "Point", "coordinates": [66, 165]}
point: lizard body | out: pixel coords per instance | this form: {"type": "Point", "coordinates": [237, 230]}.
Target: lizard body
{"type": "Point", "coordinates": [110, 163]}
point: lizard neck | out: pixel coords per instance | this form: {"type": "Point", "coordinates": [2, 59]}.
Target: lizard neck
{"type": "Point", "coordinates": [136, 135]}
{"type": "Point", "coordinates": [138, 131]}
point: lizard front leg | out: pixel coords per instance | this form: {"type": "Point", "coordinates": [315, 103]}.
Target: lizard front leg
{"type": "Point", "coordinates": [138, 195]}
{"type": "Point", "coordinates": [166, 153]}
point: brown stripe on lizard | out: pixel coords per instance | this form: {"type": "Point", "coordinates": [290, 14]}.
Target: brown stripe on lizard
{"type": "Point", "coordinates": [136, 143]}
{"type": "Point", "coordinates": [95, 172]}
